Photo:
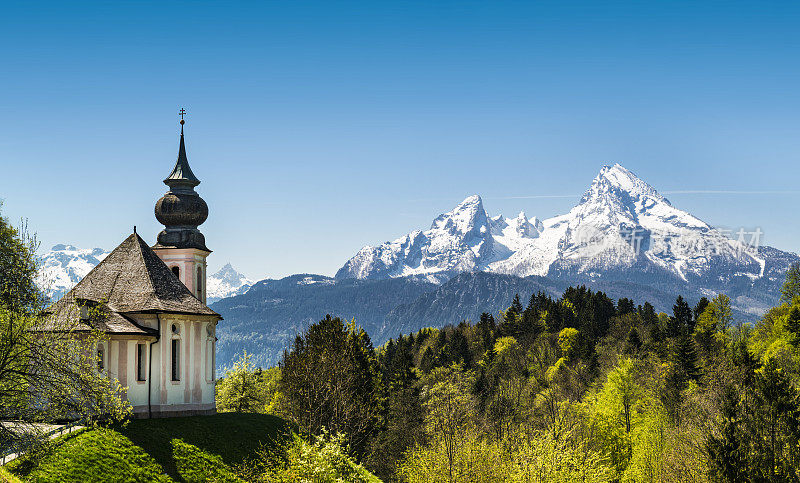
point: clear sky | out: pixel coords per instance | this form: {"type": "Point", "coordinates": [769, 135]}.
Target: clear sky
{"type": "Point", "coordinates": [321, 127]}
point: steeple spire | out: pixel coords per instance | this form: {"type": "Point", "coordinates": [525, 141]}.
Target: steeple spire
{"type": "Point", "coordinates": [181, 210]}
{"type": "Point", "coordinates": [181, 175]}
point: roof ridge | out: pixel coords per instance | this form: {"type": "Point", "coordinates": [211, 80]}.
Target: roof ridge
{"type": "Point", "coordinates": [147, 269]}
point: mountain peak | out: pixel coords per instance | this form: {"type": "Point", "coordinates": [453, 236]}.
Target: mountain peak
{"type": "Point", "coordinates": [615, 180]}
{"type": "Point", "coordinates": [467, 217]}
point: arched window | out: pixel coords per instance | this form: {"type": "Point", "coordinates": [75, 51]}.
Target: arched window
{"type": "Point", "coordinates": [199, 283]}
{"type": "Point", "coordinates": [176, 352]}
{"type": "Point", "coordinates": [176, 271]}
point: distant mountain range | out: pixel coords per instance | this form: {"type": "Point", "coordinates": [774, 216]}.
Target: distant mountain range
{"type": "Point", "coordinates": [623, 238]}
{"type": "Point", "coordinates": [65, 265]}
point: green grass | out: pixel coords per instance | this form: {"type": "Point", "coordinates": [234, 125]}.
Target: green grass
{"type": "Point", "coordinates": [196, 448]}
{"type": "Point", "coordinates": [231, 436]}
{"type": "Point", "coordinates": [6, 477]}
{"type": "Point", "coordinates": [91, 455]}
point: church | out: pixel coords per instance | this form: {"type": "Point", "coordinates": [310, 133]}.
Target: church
{"type": "Point", "coordinates": [159, 334]}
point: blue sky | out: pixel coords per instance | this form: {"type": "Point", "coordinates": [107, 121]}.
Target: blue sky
{"type": "Point", "coordinates": [320, 127]}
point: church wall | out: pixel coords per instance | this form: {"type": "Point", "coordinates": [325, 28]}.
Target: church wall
{"type": "Point", "coordinates": [194, 392]}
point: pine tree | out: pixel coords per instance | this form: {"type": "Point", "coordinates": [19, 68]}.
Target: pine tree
{"type": "Point", "coordinates": [516, 305]}
{"type": "Point", "coordinates": [681, 320]}
{"type": "Point", "coordinates": [633, 342]}
{"type": "Point", "coordinates": [686, 358]}
{"type": "Point", "coordinates": [793, 321]}
{"type": "Point", "coordinates": [791, 287]}
{"type": "Point", "coordinates": [625, 306]}
{"type": "Point", "coordinates": [700, 308]}
{"type": "Point", "coordinates": [727, 453]}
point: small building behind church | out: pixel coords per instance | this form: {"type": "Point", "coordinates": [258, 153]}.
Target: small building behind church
{"type": "Point", "coordinates": [149, 301]}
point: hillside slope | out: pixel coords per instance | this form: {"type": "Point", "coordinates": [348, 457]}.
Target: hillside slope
{"type": "Point", "coordinates": [147, 450]}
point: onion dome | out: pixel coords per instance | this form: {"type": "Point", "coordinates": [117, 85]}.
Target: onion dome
{"type": "Point", "coordinates": [181, 210]}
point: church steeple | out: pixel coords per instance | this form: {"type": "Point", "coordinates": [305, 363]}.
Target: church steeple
{"type": "Point", "coordinates": [181, 210]}
{"type": "Point", "coordinates": [181, 174]}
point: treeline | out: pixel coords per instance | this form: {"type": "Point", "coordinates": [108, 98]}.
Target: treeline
{"type": "Point", "coordinates": [579, 388]}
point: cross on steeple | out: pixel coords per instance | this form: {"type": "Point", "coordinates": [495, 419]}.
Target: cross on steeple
{"type": "Point", "coordinates": [182, 112]}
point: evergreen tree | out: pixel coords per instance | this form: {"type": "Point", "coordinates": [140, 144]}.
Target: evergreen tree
{"type": "Point", "coordinates": [330, 379]}
{"type": "Point", "coordinates": [402, 425]}
{"type": "Point", "coordinates": [516, 305]}
{"type": "Point", "coordinates": [682, 318]}
{"type": "Point", "coordinates": [700, 308]}
{"type": "Point", "coordinates": [775, 425]}
{"type": "Point", "coordinates": [728, 452]}
{"type": "Point", "coordinates": [625, 306]}
{"type": "Point", "coordinates": [633, 343]}
{"type": "Point", "coordinates": [793, 321]}
{"type": "Point", "coordinates": [686, 359]}
{"type": "Point", "coordinates": [791, 287]}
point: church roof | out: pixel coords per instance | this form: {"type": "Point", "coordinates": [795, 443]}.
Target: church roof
{"type": "Point", "coordinates": [131, 279]}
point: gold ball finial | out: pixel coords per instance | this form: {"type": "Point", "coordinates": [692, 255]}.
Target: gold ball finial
{"type": "Point", "coordinates": [183, 122]}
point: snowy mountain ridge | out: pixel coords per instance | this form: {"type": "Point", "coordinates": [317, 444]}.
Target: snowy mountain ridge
{"type": "Point", "coordinates": [622, 228]}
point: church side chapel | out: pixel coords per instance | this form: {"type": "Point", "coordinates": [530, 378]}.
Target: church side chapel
{"type": "Point", "coordinates": [159, 335]}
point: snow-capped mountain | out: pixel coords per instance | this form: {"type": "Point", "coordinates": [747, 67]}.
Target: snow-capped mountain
{"type": "Point", "coordinates": [622, 229]}
{"type": "Point", "coordinates": [226, 282]}
{"type": "Point", "coordinates": [64, 266]}
{"type": "Point", "coordinates": [464, 239]}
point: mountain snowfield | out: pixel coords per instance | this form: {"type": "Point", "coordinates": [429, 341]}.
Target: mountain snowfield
{"type": "Point", "coordinates": [622, 228]}
{"type": "Point", "coordinates": [65, 265]}
{"type": "Point", "coordinates": [226, 282]}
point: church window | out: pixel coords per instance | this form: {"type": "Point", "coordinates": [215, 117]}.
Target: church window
{"type": "Point", "coordinates": [141, 364]}
{"type": "Point", "coordinates": [199, 283]}
{"type": "Point", "coordinates": [101, 358]}
{"type": "Point", "coordinates": [176, 271]}
{"type": "Point", "coordinates": [176, 359]}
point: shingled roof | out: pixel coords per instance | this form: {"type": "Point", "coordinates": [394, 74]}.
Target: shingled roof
{"type": "Point", "coordinates": [131, 279]}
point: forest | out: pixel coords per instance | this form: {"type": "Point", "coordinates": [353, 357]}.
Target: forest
{"type": "Point", "coordinates": [579, 388]}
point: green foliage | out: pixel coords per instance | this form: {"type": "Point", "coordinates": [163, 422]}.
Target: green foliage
{"type": "Point", "coordinates": [791, 287]}
{"type": "Point", "coordinates": [621, 393]}
{"type": "Point", "coordinates": [793, 321]}
{"type": "Point", "coordinates": [244, 388]}
{"type": "Point", "coordinates": [46, 376]}
{"type": "Point", "coordinates": [682, 318]}
{"type": "Point", "coordinates": [449, 406]}
{"type": "Point", "coordinates": [759, 434]}
{"type": "Point", "coordinates": [567, 340]}
{"type": "Point", "coordinates": [18, 291]}
{"type": "Point", "coordinates": [581, 389]}
{"type": "Point", "coordinates": [330, 379]}
{"type": "Point", "coordinates": [197, 466]}
{"type": "Point", "coordinates": [323, 460]}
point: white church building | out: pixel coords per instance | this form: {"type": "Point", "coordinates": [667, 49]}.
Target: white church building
{"type": "Point", "coordinates": [159, 334]}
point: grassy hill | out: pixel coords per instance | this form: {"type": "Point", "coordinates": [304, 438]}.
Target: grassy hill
{"type": "Point", "coordinates": [195, 448]}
